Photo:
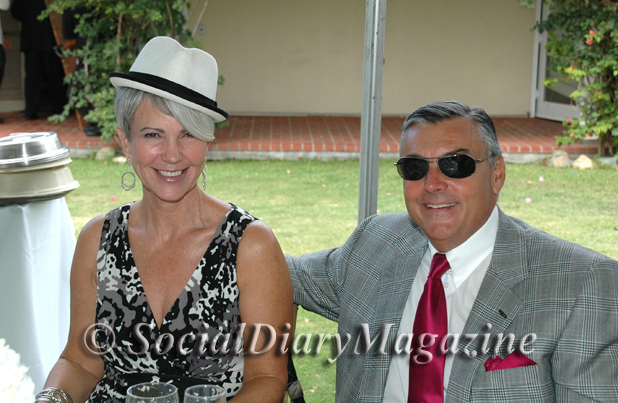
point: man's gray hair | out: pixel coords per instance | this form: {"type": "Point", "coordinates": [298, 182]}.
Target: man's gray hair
{"type": "Point", "coordinates": [199, 124]}
{"type": "Point", "coordinates": [447, 110]}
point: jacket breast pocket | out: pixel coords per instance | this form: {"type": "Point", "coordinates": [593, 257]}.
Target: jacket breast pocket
{"type": "Point", "coordinates": [530, 384]}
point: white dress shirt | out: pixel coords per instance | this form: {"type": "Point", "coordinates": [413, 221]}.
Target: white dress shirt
{"type": "Point", "coordinates": [469, 262]}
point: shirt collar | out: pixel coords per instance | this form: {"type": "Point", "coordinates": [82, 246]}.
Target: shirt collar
{"type": "Point", "coordinates": [465, 258]}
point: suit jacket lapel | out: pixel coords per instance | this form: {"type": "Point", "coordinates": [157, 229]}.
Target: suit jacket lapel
{"type": "Point", "coordinates": [495, 304]}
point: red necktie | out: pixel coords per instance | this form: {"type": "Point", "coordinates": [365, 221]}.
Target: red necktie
{"type": "Point", "coordinates": [427, 376]}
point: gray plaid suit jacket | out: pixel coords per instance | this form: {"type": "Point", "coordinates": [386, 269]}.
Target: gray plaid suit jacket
{"type": "Point", "coordinates": [566, 294]}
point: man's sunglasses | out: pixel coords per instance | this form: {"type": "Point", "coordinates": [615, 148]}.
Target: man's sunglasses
{"type": "Point", "coordinates": [452, 166]}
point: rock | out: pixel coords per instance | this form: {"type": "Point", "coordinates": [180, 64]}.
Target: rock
{"type": "Point", "coordinates": [121, 159]}
{"type": "Point", "coordinates": [610, 161]}
{"type": "Point", "coordinates": [105, 153]}
{"type": "Point", "coordinates": [583, 162]}
{"type": "Point", "coordinates": [559, 159]}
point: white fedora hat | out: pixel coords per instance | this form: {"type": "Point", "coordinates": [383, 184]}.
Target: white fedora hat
{"type": "Point", "coordinates": [165, 68]}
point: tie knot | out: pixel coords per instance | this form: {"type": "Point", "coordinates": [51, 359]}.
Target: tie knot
{"type": "Point", "coordinates": [439, 266]}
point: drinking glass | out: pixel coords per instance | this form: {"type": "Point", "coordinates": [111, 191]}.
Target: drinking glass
{"type": "Point", "coordinates": [152, 392]}
{"type": "Point", "coordinates": [205, 394]}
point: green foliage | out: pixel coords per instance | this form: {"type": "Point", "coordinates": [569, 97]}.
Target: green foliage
{"type": "Point", "coordinates": [115, 32]}
{"type": "Point", "coordinates": [526, 3]}
{"type": "Point", "coordinates": [583, 46]}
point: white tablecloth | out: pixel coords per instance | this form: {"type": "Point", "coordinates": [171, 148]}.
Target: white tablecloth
{"type": "Point", "coordinates": [37, 241]}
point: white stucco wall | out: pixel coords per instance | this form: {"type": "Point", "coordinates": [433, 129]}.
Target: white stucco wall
{"type": "Point", "coordinates": [306, 57]}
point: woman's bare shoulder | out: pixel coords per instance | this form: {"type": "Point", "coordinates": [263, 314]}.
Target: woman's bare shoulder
{"type": "Point", "coordinates": [92, 230]}
{"type": "Point", "coordinates": [258, 236]}
{"type": "Point", "coordinates": [259, 254]}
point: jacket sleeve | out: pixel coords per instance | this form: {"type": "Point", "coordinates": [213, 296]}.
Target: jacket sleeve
{"type": "Point", "coordinates": [585, 362]}
{"type": "Point", "coordinates": [318, 278]}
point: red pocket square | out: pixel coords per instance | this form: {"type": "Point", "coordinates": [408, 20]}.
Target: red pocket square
{"type": "Point", "coordinates": [514, 360]}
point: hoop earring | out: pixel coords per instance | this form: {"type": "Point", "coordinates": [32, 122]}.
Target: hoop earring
{"type": "Point", "coordinates": [204, 177]}
{"type": "Point", "coordinates": [132, 184]}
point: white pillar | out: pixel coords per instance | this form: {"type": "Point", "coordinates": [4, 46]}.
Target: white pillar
{"type": "Point", "coordinates": [371, 116]}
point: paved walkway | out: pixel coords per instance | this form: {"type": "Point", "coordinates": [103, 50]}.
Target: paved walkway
{"type": "Point", "coordinates": [311, 136]}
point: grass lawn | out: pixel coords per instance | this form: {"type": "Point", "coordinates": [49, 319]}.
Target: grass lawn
{"type": "Point", "coordinates": [312, 205]}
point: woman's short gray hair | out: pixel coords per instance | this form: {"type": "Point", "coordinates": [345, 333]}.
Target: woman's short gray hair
{"type": "Point", "coordinates": [446, 110]}
{"type": "Point", "coordinates": [199, 124]}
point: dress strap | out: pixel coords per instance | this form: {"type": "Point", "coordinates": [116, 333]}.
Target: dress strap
{"type": "Point", "coordinates": [115, 220]}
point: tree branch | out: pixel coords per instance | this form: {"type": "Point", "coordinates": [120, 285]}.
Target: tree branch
{"type": "Point", "coordinates": [610, 3]}
{"type": "Point", "coordinates": [118, 32]}
{"type": "Point", "coordinates": [169, 14]}
{"type": "Point", "coordinates": [199, 18]}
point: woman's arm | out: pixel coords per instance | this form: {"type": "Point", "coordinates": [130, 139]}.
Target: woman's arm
{"type": "Point", "coordinates": [265, 297]}
{"type": "Point", "coordinates": [78, 370]}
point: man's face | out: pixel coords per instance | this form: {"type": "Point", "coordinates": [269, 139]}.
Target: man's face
{"type": "Point", "coordinates": [449, 211]}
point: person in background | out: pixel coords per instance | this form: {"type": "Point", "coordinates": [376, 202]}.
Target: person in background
{"type": "Point", "coordinates": [44, 70]}
{"type": "Point", "coordinates": [163, 286]}
{"type": "Point", "coordinates": [5, 44]}
{"type": "Point", "coordinates": [70, 20]}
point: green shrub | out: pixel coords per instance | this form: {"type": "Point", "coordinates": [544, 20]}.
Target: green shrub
{"type": "Point", "coordinates": [583, 46]}
{"type": "Point", "coordinates": [115, 32]}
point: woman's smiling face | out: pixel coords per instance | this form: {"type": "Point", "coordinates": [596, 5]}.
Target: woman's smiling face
{"type": "Point", "coordinates": [167, 159]}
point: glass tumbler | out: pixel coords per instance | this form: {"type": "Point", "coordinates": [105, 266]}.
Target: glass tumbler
{"type": "Point", "coordinates": [205, 394]}
{"type": "Point", "coordinates": [152, 392]}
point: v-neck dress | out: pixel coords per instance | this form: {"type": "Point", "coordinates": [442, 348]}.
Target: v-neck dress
{"type": "Point", "coordinates": [200, 338]}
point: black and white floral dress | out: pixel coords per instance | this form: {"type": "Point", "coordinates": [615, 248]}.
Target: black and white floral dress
{"type": "Point", "coordinates": [200, 339]}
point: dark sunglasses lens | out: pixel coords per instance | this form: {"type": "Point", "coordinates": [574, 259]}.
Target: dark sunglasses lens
{"type": "Point", "coordinates": [412, 169]}
{"type": "Point", "coordinates": [458, 166]}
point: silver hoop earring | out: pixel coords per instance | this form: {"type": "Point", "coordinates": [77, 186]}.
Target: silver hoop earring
{"type": "Point", "coordinates": [204, 177]}
{"type": "Point", "coordinates": [128, 172]}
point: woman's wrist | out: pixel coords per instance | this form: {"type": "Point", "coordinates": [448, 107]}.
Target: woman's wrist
{"type": "Point", "coordinates": [53, 395]}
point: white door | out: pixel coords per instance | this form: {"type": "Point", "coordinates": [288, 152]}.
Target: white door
{"type": "Point", "coordinates": [549, 103]}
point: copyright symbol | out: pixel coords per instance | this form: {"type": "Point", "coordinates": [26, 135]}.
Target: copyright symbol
{"type": "Point", "coordinates": [90, 338]}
